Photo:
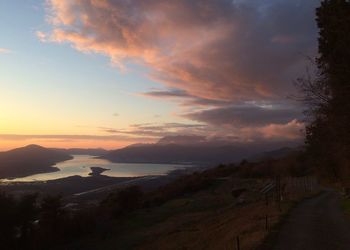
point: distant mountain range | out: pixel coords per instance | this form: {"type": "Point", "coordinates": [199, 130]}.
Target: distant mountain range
{"type": "Point", "coordinates": [175, 153]}
{"type": "Point", "coordinates": [82, 151]}
{"type": "Point", "coordinates": [275, 154]}
{"type": "Point", "coordinates": [34, 159]}
{"type": "Point", "coordinates": [29, 160]}
{"type": "Point", "coordinates": [194, 152]}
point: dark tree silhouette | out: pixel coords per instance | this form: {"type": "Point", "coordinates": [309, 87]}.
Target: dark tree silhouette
{"type": "Point", "coordinates": [27, 212]}
{"type": "Point", "coordinates": [124, 201]}
{"type": "Point", "coordinates": [7, 220]}
{"type": "Point", "coordinates": [328, 94]}
{"type": "Point", "coordinates": [51, 217]}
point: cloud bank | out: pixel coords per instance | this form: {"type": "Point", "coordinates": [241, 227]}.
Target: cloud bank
{"type": "Point", "coordinates": [225, 58]}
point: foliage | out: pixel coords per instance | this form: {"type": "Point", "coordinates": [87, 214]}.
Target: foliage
{"type": "Point", "coordinates": [28, 223]}
{"type": "Point", "coordinates": [327, 95]}
{"type": "Point", "coordinates": [123, 201]}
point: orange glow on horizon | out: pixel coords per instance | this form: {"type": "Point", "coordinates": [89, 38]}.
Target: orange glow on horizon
{"type": "Point", "coordinates": [109, 145]}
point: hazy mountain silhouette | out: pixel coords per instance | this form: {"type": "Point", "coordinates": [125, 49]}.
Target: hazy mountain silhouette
{"type": "Point", "coordinates": [82, 151]}
{"type": "Point", "coordinates": [182, 139]}
{"type": "Point", "coordinates": [197, 151]}
{"type": "Point", "coordinates": [29, 160]}
{"type": "Point", "coordinates": [275, 154]}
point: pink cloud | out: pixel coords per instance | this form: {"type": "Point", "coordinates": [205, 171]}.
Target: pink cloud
{"type": "Point", "coordinates": [221, 54]}
{"type": "Point", "coordinates": [41, 36]}
{"type": "Point", "coordinates": [210, 49]}
{"type": "Point", "coordinates": [292, 130]}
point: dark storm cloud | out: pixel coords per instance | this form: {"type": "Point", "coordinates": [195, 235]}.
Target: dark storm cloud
{"type": "Point", "coordinates": [250, 116]}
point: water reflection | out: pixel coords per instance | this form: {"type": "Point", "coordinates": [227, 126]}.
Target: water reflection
{"type": "Point", "coordinates": [81, 164]}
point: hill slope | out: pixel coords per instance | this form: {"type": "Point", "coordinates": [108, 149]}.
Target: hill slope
{"type": "Point", "coordinates": [176, 153]}
{"type": "Point", "coordinates": [32, 159]}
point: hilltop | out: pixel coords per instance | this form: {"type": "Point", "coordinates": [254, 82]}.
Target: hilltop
{"type": "Point", "coordinates": [29, 160]}
{"type": "Point", "coordinates": [194, 150]}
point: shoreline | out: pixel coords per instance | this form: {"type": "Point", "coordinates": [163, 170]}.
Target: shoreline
{"type": "Point", "coordinates": [94, 187]}
{"type": "Point", "coordinates": [98, 171]}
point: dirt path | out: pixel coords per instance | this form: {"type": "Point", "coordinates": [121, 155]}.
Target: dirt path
{"type": "Point", "coordinates": [316, 224]}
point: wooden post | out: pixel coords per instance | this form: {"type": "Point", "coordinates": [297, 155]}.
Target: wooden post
{"type": "Point", "coordinates": [279, 192]}
{"type": "Point", "coordinates": [238, 243]}
{"type": "Point", "coordinates": [266, 223]}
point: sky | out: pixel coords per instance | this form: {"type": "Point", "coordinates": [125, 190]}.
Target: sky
{"type": "Point", "coordinates": [109, 73]}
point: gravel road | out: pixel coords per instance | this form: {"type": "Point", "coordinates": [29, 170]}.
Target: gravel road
{"type": "Point", "coordinates": [316, 224]}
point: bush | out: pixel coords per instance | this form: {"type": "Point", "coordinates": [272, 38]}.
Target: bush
{"type": "Point", "coordinates": [124, 201]}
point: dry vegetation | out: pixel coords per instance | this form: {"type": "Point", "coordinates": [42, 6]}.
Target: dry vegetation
{"type": "Point", "coordinates": [199, 211]}
{"type": "Point", "coordinates": [218, 227]}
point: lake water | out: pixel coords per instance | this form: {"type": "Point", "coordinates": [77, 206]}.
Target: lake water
{"type": "Point", "coordinates": [80, 165]}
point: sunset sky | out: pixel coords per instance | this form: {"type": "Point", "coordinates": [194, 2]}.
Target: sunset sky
{"type": "Point", "coordinates": [108, 73]}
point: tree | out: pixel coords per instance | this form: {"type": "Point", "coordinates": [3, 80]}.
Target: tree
{"type": "Point", "coordinates": [7, 220]}
{"type": "Point", "coordinates": [51, 212]}
{"type": "Point", "coordinates": [328, 95]}
{"type": "Point", "coordinates": [27, 212]}
{"type": "Point", "coordinates": [124, 201]}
